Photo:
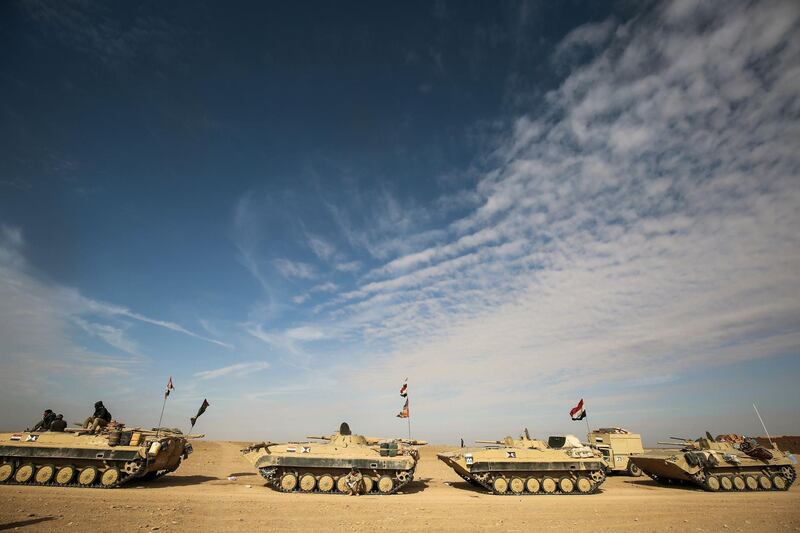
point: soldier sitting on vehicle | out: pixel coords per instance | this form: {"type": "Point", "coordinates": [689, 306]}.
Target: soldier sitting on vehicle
{"type": "Point", "coordinates": [354, 481]}
{"type": "Point", "coordinates": [58, 424]}
{"type": "Point", "coordinates": [47, 418]}
{"type": "Point", "coordinates": [99, 419]}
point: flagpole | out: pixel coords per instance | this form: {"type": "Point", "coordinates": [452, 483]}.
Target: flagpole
{"type": "Point", "coordinates": [409, 418]}
{"type": "Point", "coordinates": [158, 429]}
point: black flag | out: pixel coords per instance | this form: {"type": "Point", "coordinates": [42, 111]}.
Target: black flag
{"type": "Point", "coordinates": [200, 412]}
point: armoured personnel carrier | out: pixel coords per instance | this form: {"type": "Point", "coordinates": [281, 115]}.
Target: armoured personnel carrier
{"type": "Point", "coordinates": [386, 465]}
{"type": "Point", "coordinates": [716, 465]}
{"type": "Point", "coordinates": [527, 466]}
{"type": "Point", "coordinates": [77, 458]}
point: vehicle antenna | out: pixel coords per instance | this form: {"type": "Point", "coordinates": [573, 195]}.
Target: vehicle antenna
{"type": "Point", "coordinates": [763, 425]}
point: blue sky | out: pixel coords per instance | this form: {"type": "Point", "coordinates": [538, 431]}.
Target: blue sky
{"type": "Point", "coordinates": [291, 208]}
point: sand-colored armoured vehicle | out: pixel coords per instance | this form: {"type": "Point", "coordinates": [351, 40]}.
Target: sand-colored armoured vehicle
{"type": "Point", "coordinates": [527, 466]}
{"type": "Point", "coordinates": [386, 465]}
{"type": "Point", "coordinates": [716, 465]}
{"type": "Point", "coordinates": [617, 446]}
{"type": "Point", "coordinates": [81, 459]}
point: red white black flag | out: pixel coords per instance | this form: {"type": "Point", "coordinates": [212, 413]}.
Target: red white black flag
{"type": "Point", "coordinates": [169, 388]}
{"type": "Point", "coordinates": [404, 412]}
{"type": "Point", "coordinates": [404, 389]}
{"type": "Point", "coordinates": [578, 412]}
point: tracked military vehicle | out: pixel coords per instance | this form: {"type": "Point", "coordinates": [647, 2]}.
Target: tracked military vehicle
{"type": "Point", "coordinates": [387, 465]}
{"type": "Point", "coordinates": [717, 465]}
{"type": "Point", "coordinates": [77, 458]}
{"type": "Point", "coordinates": [527, 466]}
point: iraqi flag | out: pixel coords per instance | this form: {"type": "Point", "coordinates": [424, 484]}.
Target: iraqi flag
{"type": "Point", "coordinates": [169, 388]}
{"type": "Point", "coordinates": [404, 412]}
{"type": "Point", "coordinates": [578, 412]}
{"type": "Point", "coordinates": [404, 389]}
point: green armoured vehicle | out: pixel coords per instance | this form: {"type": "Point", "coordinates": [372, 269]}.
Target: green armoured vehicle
{"type": "Point", "coordinates": [527, 466]}
{"type": "Point", "coordinates": [78, 458]}
{"type": "Point", "coordinates": [720, 466]}
{"type": "Point", "coordinates": [386, 465]}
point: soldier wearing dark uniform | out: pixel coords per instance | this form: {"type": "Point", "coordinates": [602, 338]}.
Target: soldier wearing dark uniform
{"type": "Point", "coordinates": [58, 424]}
{"type": "Point", "coordinates": [99, 419]}
{"type": "Point", "coordinates": [44, 424]}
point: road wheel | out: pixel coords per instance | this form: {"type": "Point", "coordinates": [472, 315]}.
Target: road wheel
{"type": "Point", "coordinates": [751, 482]}
{"type": "Point", "coordinates": [109, 477]}
{"type": "Point", "coordinates": [65, 474]}
{"type": "Point", "coordinates": [87, 475]}
{"type": "Point", "coordinates": [779, 482]}
{"type": "Point", "coordinates": [549, 485]}
{"type": "Point", "coordinates": [500, 485]}
{"type": "Point", "coordinates": [325, 483]}
{"type": "Point", "coordinates": [533, 485]}
{"type": "Point", "coordinates": [712, 483]}
{"type": "Point", "coordinates": [584, 485]}
{"type": "Point", "coordinates": [738, 483]}
{"type": "Point", "coordinates": [566, 485]}
{"type": "Point", "coordinates": [6, 471]}
{"type": "Point", "coordinates": [288, 482]}
{"type": "Point", "coordinates": [385, 484]}
{"type": "Point", "coordinates": [725, 483]}
{"type": "Point", "coordinates": [517, 485]}
{"type": "Point", "coordinates": [45, 474]}
{"type": "Point", "coordinates": [307, 483]}
{"type": "Point", "coordinates": [764, 482]}
{"type": "Point", "coordinates": [24, 473]}
{"type": "Point", "coordinates": [369, 484]}
{"type": "Point", "coordinates": [341, 485]}
{"type": "Point", "coordinates": [633, 470]}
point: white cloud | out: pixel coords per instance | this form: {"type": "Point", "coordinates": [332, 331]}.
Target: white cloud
{"type": "Point", "coordinates": [237, 370]}
{"type": "Point", "coordinates": [294, 269]}
{"type": "Point", "coordinates": [321, 248]}
{"type": "Point", "coordinates": [647, 224]}
{"type": "Point", "coordinates": [348, 266]}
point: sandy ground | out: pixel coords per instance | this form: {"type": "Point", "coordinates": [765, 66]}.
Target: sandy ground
{"type": "Point", "coordinates": [199, 497]}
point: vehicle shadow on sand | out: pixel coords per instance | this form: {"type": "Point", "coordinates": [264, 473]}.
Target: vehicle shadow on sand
{"type": "Point", "coordinates": [28, 522]}
{"type": "Point", "coordinates": [418, 485]}
{"type": "Point", "coordinates": [652, 484]}
{"type": "Point", "coordinates": [178, 481]}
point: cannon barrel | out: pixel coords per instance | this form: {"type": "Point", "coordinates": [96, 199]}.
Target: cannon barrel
{"type": "Point", "coordinates": [489, 441]}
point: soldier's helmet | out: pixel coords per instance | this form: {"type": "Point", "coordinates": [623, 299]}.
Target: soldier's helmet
{"type": "Point", "coordinates": [344, 429]}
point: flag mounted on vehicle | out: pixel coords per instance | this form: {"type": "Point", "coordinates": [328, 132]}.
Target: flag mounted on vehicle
{"type": "Point", "coordinates": [578, 412]}
{"type": "Point", "coordinates": [404, 412]}
{"type": "Point", "coordinates": [200, 411]}
{"type": "Point", "coordinates": [404, 389]}
{"type": "Point", "coordinates": [169, 387]}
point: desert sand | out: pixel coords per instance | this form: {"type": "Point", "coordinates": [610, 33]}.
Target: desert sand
{"type": "Point", "coordinates": [199, 497]}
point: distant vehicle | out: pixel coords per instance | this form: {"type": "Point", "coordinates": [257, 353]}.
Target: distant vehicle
{"type": "Point", "coordinates": [386, 465]}
{"type": "Point", "coordinates": [77, 458]}
{"type": "Point", "coordinates": [527, 466]}
{"type": "Point", "coordinates": [720, 465]}
{"type": "Point", "coordinates": [617, 446]}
